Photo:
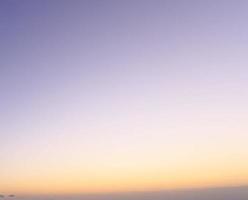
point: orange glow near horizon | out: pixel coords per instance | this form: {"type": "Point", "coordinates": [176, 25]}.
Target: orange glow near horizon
{"type": "Point", "coordinates": [146, 166]}
{"type": "Point", "coordinates": [129, 178]}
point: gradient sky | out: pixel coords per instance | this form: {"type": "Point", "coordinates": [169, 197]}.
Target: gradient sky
{"type": "Point", "coordinates": [110, 95]}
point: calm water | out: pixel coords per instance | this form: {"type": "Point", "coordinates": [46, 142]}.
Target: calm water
{"type": "Point", "coordinates": [231, 193]}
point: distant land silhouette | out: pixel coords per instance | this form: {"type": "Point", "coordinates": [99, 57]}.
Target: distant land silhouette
{"type": "Point", "coordinates": [10, 195]}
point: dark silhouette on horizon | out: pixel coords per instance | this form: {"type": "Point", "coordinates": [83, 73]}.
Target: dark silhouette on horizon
{"type": "Point", "coordinates": [10, 195]}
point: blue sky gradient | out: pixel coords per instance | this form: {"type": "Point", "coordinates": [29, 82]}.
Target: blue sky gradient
{"type": "Point", "coordinates": [120, 91]}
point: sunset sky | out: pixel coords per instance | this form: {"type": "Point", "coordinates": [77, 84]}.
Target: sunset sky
{"type": "Point", "coordinates": [132, 95]}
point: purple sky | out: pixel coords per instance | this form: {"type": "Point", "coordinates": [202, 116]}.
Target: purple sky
{"type": "Point", "coordinates": [147, 82]}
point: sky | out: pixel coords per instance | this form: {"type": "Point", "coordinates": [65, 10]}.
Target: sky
{"type": "Point", "coordinates": [117, 96]}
